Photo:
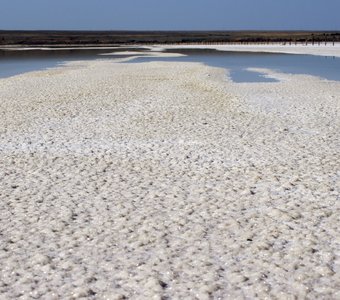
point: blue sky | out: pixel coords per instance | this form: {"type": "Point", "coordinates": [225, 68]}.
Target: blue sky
{"type": "Point", "coordinates": [170, 14]}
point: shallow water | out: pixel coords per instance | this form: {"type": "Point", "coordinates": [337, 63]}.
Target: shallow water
{"type": "Point", "coordinates": [17, 62]}
{"type": "Point", "coordinates": [239, 62]}
{"type": "Point", "coordinates": [22, 61]}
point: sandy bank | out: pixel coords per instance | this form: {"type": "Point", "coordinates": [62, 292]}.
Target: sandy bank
{"type": "Point", "coordinates": [165, 180]}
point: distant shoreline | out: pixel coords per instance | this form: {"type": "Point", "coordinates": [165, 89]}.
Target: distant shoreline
{"type": "Point", "coordinates": [94, 46]}
{"type": "Point", "coordinates": [117, 38]}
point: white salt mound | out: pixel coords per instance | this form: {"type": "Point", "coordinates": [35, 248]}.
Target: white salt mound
{"type": "Point", "coordinates": [158, 181]}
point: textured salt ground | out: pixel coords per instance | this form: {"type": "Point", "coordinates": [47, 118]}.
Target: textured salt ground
{"type": "Point", "coordinates": [165, 180]}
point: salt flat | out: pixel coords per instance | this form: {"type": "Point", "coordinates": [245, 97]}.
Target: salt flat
{"type": "Point", "coordinates": [165, 180]}
{"type": "Point", "coordinates": [323, 49]}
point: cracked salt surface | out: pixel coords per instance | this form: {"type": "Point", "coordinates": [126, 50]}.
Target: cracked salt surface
{"type": "Point", "coordinates": [159, 181]}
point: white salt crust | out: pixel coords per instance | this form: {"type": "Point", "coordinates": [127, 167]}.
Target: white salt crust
{"type": "Point", "coordinates": [165, 180]}
{"type": "Point", "coordinates": [324, 50]}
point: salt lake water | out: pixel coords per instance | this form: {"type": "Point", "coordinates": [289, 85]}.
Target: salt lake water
{"type": "Point", "coordinates": [239, 62]}
{"type": "Point", "coordinates": [17, 62]}
{"type": "Point", "coordinates": [14, 62]}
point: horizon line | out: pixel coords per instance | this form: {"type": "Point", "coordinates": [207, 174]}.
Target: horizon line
{"type": "Point", "coordinates": [177, 30]}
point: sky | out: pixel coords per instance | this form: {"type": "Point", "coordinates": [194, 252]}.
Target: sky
{"type": "Point", "coordinates": [170, 14]}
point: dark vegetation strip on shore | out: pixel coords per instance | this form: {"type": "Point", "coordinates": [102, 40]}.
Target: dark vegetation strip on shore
{"type": "Point", "coordinates": [107, 38]}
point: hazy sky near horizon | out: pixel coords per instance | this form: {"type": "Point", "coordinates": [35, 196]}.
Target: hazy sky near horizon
{"type": "Point", "coordinates": [170, 14]}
